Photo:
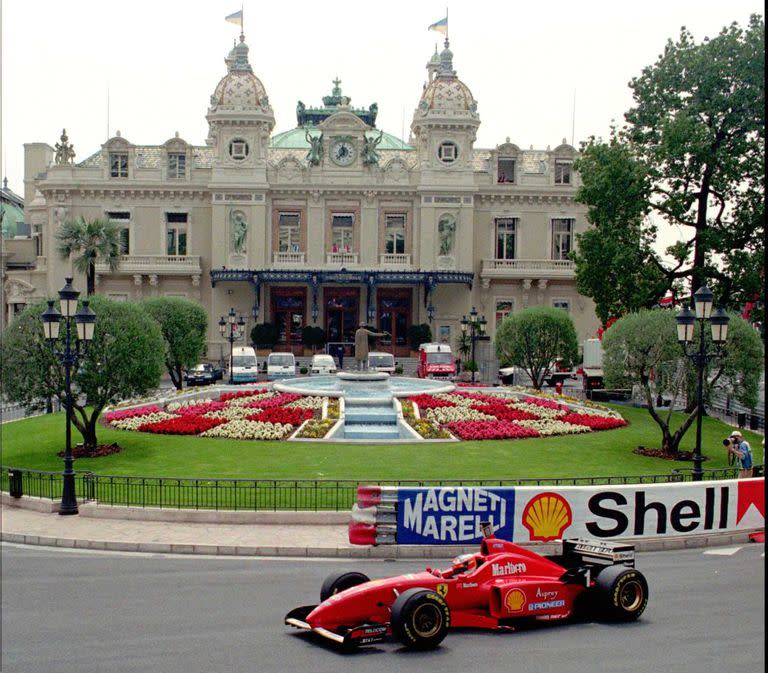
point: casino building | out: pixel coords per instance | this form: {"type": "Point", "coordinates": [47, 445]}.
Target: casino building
{"type": "Point", "coordinates": [330, 223]}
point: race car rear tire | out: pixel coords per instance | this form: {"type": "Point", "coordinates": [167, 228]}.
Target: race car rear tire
{"type": "Point", "coordinates": [622, 593]}
{"type": "Point", "coordinates": [420, 618]}
{"type": "Point", "coordinates": [337, 582]}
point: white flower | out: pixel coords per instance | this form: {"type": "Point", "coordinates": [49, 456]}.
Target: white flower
{"type": "Point", "coordinates": [548, 427]}
{"type": "Point", "coordinates": [443, 415]}
{"type": "Point", "coordinates": [136, 421]}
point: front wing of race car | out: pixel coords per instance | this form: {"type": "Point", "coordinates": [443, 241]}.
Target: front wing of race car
{"type": "Point", "coordinates": [361, 634]}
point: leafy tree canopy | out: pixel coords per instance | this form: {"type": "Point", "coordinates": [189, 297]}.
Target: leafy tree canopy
{"type": "Point", "coordinates": [691, 155]}
{"type": "Point", "coordinates": [125, 359]}
{"type": "Point", "coordinates": [184, 325]}
{"type": "Point", "coordinates": [534, 338]}
{"type": "Point", "coordinates": [641, 349]}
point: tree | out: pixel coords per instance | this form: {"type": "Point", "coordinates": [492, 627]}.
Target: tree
{"type": "Point", "coordinates": [694, 152]}
{"type": "Point", "coordinates": [419, 334]}
{"type": "Point", "coordinates": [615, 264]}
{"type": "Point", "coordinates": [534, 339]}
{"type": "Point", "coordinates": [641, 349]}
{"type": "Point", "coordinates": [184, 325]}
{"type": "Point", "coordinates": [313, 337]}
{"type": "Point", "coordinates": [89, 241]}
{"type": "Point", "coordinates": [264, 335]}
{"type": "Point", "coordinates": [125, 359]}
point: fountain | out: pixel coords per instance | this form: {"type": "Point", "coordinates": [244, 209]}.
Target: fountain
{"type": "Point", "coordinates": [370, 410]}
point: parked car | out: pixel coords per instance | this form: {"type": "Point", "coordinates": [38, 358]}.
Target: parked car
{"type": "Point", "coordinates": [203, 374]}
{"type": "Point", "coordinates": [245, 365]}
{"type": "Point", "coordinates": [281, 366]}
{"type": "Point", "coordinates": [322, 365]}
{"type": "Point", "coordinates": [381, 362]}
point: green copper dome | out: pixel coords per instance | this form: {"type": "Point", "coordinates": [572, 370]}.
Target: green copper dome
{"type": "Point", "coordinates": [296, 139]}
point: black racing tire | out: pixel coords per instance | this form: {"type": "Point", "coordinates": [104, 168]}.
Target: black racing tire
{"type": "Point", "coordinates": [337, 582]}
{"type": "Point", "coordinates": [420, 618]}
{"type": "Point", "coordinates": [622, 593]}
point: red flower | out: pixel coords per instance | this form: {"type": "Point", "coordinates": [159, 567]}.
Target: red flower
{"type": "Point", "coordinates": [594, 422]}
{"type": "Point", "coordinates": [182, 425]}
{"type": "Point", "coordinates": [122, 414]}
{"type": "Point", "coordinates": [200, 409]}
{"type": "Point", "coordinates": [504, 412]}
{"type": "Point", "coordinates": [292, 416]}
{"type": "Point", "coordinates": [225, 397]}
{"type": "Point", "coordinates": [547, 404]}
{"type": "Point", "coordinates": [272, 402]}
{"type": "Point", "coordinates": [476, 430]}
{"type": "Point", "coordinates": [430, 402]}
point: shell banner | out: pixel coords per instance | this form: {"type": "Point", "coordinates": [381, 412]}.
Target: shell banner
{"type": "Point", "coordinates": [452, 515]}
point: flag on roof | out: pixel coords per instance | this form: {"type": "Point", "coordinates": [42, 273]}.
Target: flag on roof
{"type": "Point", "coordinates": [236, 18]}
{"type": "Point", "coordinates": [440, 26]}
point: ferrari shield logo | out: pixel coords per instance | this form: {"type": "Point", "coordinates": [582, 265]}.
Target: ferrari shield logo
{"type": "Point", "coordinates": [442, 589]}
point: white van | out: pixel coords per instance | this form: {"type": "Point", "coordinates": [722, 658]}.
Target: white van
{"type": "Point", "coordinates": [381, 362]}
{"type": "Point", "coordinates": [245, 366]}
{"type": "Point", "coordinates": [280, 366]}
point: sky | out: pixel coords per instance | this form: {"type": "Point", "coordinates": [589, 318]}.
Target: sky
{"type": "Point", "coordinates": [148, 69]}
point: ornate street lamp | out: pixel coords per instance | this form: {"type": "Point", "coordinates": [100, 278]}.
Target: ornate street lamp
{"type": "Point", "coordinates": [476, 332]}
{"type": "Point", "coordinates": [75, 347]}
{"type": "Point", "coordinates": [686, 320]}
{"type": "Point", "coordinates": [232, 329]}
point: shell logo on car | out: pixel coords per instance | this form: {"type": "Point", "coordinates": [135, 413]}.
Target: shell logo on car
{"type": "Point", "coordinates": [515, 600]}
{"type": "Point", "coordinates": [546, 516]}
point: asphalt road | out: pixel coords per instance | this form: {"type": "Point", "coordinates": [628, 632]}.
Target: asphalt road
{"type": "Point", "coordinates": [65, 611]}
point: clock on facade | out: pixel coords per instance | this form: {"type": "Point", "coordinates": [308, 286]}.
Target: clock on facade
{"type": "Point", "coordinates": [343, 152]}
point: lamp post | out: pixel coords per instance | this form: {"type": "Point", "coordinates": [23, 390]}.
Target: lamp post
{"type": "Point", "coordinates": [232, 329]}
{"type": "Point", "coordinates": [74, 349]}
{"type": "Point", "coordinates": [686, 320]}
{"type": "Point", "coordinates": [476, 332]}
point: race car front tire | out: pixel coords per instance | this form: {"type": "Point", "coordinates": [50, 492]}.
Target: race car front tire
{"type": "Point", "coordinates": [420, 618]}
{"type": "Point", "coordinates": [622, 593]}
{"type": "Point", "coordinates": [337, 582]}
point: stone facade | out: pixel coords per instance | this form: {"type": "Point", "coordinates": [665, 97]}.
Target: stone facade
{"type": "Point", "coordinates": [331, 223]}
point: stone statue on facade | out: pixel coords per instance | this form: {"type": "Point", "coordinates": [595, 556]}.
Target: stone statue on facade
{"type": "Point", "coordinates": [65, 153]}
{"type": "Point", "coordinates": [315, 154]}
{"type": "Point", "coordinates": [447, 232]}
{"type": "Point", "coordinates": [370, 155]}
{"type": "Point", "coordinates": [239, 230]}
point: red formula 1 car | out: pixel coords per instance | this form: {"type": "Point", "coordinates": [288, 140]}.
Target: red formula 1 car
{"type": "Point", "coordinates": [496, 588]}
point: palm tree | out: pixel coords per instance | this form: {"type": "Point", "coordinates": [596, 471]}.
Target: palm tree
{"type": "Point", "coordinates": [89, 241]}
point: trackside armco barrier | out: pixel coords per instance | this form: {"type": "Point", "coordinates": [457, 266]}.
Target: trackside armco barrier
{"type": "Point", "coordinates": [452, 515]}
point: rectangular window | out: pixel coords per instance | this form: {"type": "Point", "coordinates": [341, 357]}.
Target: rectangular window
{"type": "Point", "coordinates": [176, 234]}
{"type": "Point", "coordinates": [122, 218]}
{"type": "Point", "coordinates": [506, 170]}
{"type": "Point", "coordinates": [177, 165]}
{"type": "Point", "coordinates": [563, 172]}
{"type": "Point", "coordinates": [118, 164]}
{"type": "Point", "coordinates": [505, 237]}
{"type": "Point", "coordinates": [342, 226]}
{"type": "Point", "coordinates": [289, 232]}
{"type": "Point", "coordinates": [562, 304]}
{"type": "Point", "coordinates": [562, 237]}
{"type": "Point", "coordinates": [503, 308]}
{"type": "Point", "coordinates": [394, 234]}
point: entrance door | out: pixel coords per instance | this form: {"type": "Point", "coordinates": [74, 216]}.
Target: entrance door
{"type": "Point", "coordinates": [394, 309]}
{"type": "Point", "coordinates": [342, 315]}
{"type": "Point", "coordinates": [288, 311]}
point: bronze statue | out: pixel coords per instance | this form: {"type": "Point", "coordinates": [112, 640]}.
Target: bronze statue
{"type": "Point", "coordinates": [370, 155]}
{"type": "Point", "coordinates": [315, 154]}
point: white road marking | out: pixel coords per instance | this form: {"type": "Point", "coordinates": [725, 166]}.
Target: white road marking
{"type": "Point", "coordinates": [723, 551]}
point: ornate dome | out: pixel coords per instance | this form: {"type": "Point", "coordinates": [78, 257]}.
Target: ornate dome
{"type": "Point", "coordinates": [446, 92]}
{"type": "Point", "coordinates": [239, 89]}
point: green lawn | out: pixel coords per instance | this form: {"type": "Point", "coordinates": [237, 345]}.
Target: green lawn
{"type": "Point", "coordinates": [33, 444]}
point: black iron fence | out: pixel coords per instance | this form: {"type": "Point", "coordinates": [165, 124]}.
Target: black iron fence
{"type": "Point", "coordinates": [267, 494]}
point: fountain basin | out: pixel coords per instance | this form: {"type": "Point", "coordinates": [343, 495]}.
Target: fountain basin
{"type": "Point", "coordinates": [370, 385]}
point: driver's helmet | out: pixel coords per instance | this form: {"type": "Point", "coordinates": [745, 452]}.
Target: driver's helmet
{"type": "Point", "coordinates": [464, 563]}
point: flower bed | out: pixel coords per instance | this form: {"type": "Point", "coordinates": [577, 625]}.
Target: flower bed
{"type": "Point", "coordinates": [122, 414]}
{"type": "Point", "coordinates": [477, 416]}
{"type": "Point", "coordinates": [182, 425]}
{"type": "Point", "coordinates": [291, 416]}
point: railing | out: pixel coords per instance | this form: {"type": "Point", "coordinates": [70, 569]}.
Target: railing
{"type": "Point", "coordinates": [268, 494]}
{"type": "Point", "coordinates": [342, 258]}
{"type": "Point", "coordinates": [557, 268]}
{"type": "Point", "coordinates": [161, 264]}
{"type": "Point", "coordinates": [397, 260]}
{"type": "Point", "coordinates": [289, 258]}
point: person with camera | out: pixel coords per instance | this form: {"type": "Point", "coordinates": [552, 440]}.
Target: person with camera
{"type": "Point", "coordinates": [738, 448]}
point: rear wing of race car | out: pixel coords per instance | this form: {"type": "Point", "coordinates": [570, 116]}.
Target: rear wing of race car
{"type": "Point", "coordinates": [598, 552]}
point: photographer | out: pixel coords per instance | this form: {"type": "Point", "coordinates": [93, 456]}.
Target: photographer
{"type": "Point", "coordinates": [740, 449]}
